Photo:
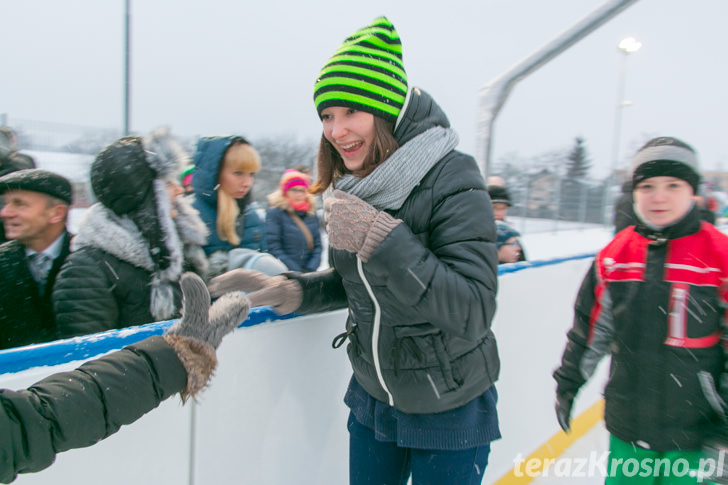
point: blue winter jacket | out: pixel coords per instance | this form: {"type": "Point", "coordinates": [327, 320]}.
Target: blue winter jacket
{"type": "Point", "coordinates": [250, 227]}
{"type": "Point", "coordinates": [284, 238]}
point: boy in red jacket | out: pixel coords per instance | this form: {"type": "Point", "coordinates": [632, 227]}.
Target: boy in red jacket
{"type": "Point", "coordinates": [655, 299]}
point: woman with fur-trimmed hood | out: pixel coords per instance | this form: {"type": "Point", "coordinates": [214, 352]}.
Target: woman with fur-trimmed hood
{"type": "Point", "coordinates": [291, 226]}
{"type": "Point", "coordinates": [134, 244]}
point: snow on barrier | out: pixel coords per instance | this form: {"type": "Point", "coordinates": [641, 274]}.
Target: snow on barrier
{"type": "Point", "coordinates": [274, 412]}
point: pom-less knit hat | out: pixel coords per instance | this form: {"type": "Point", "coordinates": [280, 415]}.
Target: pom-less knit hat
{"type": "Point", "coordinates": [667, 157]}
{"type": "Point", "coordinates": [499, 194]}
{"type": "Point", "coordinates": [365, 73]}
{"type": "Point", "coordinates": [504, 232]}
{"type": "Point", "coordinates": [292, 178]}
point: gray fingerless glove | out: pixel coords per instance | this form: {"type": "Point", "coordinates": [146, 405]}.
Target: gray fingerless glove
{"type": "Point", "coordinates": [283, 294]}
{"type": "Point", "coordinates": [200, 330]}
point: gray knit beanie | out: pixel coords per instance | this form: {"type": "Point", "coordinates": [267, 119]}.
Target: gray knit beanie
{"type": "Point", "coordinates": [668, 157]}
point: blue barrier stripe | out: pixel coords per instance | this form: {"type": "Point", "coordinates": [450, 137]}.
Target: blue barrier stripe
{"type": "Point", "coordinates": [514, 267]}
{"type": "Point", "coordinates": [88, 346]}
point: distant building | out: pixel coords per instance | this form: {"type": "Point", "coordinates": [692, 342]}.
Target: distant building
{"type": "Point", "coordinates": [542, 188]}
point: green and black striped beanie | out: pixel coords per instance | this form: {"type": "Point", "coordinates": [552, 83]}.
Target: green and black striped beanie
{"type": "Point", "coordinates": [365, 73]}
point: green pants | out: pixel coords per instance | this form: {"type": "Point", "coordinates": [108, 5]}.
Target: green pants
{"type": "Point", "coordinates": [631, 465]}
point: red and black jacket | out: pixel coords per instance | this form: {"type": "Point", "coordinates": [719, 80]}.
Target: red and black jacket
{"type": "Point", "coordinates": [656, 301]}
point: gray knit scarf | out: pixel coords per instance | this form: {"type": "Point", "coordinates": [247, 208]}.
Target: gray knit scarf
{"type": "Point", "coordinates": [389, 185]}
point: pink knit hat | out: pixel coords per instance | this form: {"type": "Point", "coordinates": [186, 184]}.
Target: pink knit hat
{"type": "Point", "coordinates": [292, 178]}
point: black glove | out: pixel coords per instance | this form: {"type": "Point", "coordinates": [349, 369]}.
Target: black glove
{"type": "Point", "coordinates": [715, 446]}
{"type": "Point", "coordinates": [712, 394]}
{"type": "Point", "coordinates": [715, 451]}
{"type": "Point", "coordinates": [564, 402]}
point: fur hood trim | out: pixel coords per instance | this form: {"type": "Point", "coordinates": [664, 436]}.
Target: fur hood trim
{"type": "Point", "coordinates": [103, 229]}
{"type": "Point", "coordinates": [165, 154]}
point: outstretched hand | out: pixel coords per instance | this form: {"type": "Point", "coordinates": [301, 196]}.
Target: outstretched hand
{"type": "Point", "coordinates": [200, 330]}
{"type": "Point", "coordinates": [283, 294]}
{"type": "Point", "coordinates": [204, 322]}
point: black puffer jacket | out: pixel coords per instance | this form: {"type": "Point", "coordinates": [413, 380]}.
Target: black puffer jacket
{"type": "Point", "coordinates": [97, 291]}
{"type": "Point", "coordinates": [78, 408]}
{"type": "Point", "coordinates": [434, 279]}
{"type": "Point", "coordinates": [109, 280]}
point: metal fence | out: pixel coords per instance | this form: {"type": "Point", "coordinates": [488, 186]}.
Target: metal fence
{"type": "Point", "coordinates": [563, 202]}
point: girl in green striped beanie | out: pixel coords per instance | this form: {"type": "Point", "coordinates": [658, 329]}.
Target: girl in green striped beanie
{"type": "Point", "coordinates": [412, 246]}
{"type": "Point", "coordinates": [412, 255]}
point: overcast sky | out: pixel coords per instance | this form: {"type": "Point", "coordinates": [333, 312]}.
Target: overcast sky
{"type": "Point", "coordinates": [248, 67]}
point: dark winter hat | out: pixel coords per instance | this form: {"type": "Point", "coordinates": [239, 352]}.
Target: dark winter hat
{"type": "Point", "coordinates": [14, 162]}
{"type": "Point", "coordinates": [505, 232]}
{"type": "Point", "coordinates": [499, 193]}
{"type": "Point", "coordinates": [130, 176]}
{"type": "Point", "coordinates": [123, 173]}
{"type": "Point", "coordinates": [121, 177]}
{"type": "Point", "coordinates": [667, 157]}
{"type": "Point", "coordinates": [38, 180]}
{"type": "Point", "coordinates": [365, 73]}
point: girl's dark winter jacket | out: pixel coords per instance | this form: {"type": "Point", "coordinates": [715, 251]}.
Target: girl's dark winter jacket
{"type": "Point", "coordinates": [78, 408]}
{"type": "Point", "coordinates": [434, 278]}
{"type": "Point", "coordinates": [656, 302]}
{"type": "Point", "coordinates": [26, 317]}
{"type": "Point", "coordinates": [250, 227]}
{"type": "Point", "coordinates": [284, 238]}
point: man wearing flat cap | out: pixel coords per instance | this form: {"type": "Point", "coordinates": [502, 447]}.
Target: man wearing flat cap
{"type": "Point", "coordinates": [34, 215]}
{"type": "Point", "coordinates": [11, 160]}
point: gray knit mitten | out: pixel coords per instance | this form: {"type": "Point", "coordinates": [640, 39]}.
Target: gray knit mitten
{"type": "Point", "coordinates": [201, 329]}
{"type": "Point", "coordinates": [354, 225]}
{"type": "Point", "coordinates": [284, 295]}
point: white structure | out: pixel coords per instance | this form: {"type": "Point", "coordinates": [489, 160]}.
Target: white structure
{"type": "Point", "coordinates": [274, 413]}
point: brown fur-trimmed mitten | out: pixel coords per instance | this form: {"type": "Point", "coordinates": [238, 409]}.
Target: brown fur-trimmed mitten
{"type": "Point", "coordinates": [201, 329]}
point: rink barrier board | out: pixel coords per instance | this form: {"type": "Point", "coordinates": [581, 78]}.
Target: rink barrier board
{"type": "Point", "coordinates": [89, 346]}
{"type": "Point", "coordinates": [278, 409]}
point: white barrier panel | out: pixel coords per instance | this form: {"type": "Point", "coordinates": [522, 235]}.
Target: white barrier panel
{"type": "Point", "coordinates": [274, 413]}
{"type": "Point", "coordinates": [535, 311]}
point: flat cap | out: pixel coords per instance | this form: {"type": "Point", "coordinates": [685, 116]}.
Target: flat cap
{"type": "Point", "coordinates": [38, 180]}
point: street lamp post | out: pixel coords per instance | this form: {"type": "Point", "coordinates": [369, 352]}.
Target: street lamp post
{"type": "Point", "coordinates": [626, 46]}
{"type": "Point", "coordinates": [127, 65]}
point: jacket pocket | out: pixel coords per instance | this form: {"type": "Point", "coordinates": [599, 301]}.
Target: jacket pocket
{"type": "Point", "coordinates": [443, 359]}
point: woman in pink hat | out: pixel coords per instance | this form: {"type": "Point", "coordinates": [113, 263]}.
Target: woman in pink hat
{"type": "Point", "coordinates": [291, 226]}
